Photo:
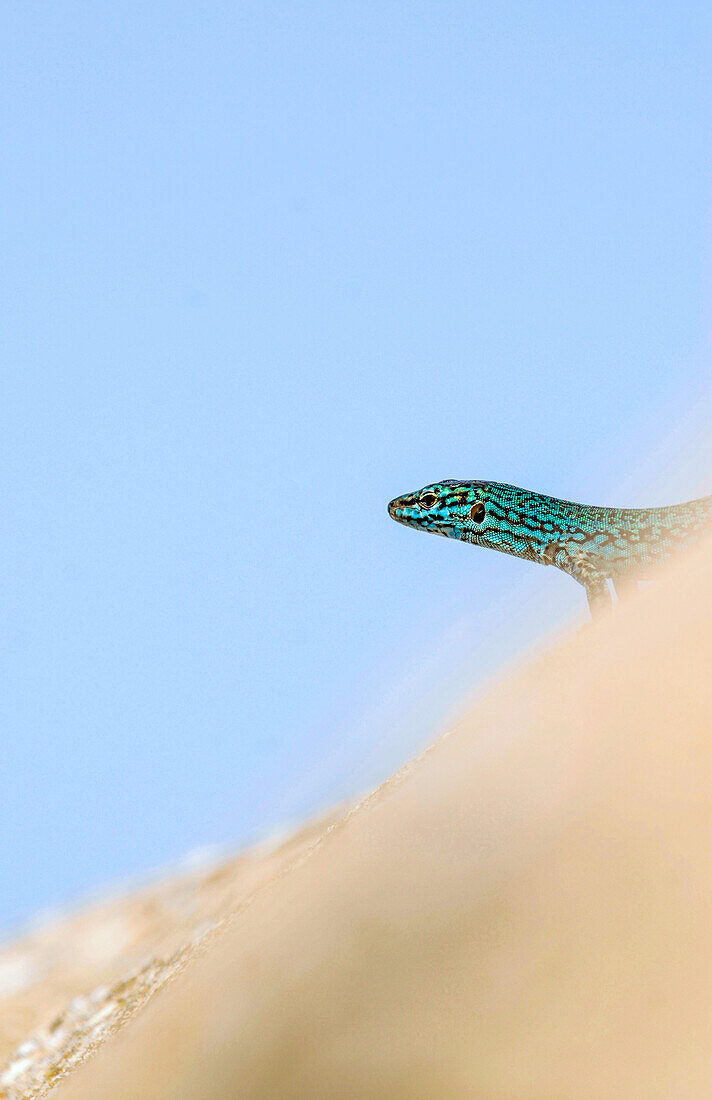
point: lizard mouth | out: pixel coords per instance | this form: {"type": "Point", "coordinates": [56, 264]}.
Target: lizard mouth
{"type": "Point", "coordinates": [405, 512]}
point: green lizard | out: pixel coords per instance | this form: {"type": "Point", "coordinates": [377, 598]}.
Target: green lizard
{"type": "Point", "coordinates": [591, 544]}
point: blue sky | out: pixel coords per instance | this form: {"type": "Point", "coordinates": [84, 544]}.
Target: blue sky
{"type": "Point", "coordinates": [266, 266]}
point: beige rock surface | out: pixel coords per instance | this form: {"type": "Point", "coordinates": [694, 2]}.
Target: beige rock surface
{"type": "Point", "coordinates": [524, 913]}
{"type": "Point", "coordinates": [77, 978]}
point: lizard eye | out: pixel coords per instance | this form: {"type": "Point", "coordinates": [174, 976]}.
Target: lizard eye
{"type": "Point", "coordinates": [427, 500]}
{"type": "Point", "coordinates": [477, 512]}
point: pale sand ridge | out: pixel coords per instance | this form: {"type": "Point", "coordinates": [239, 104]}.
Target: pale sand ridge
{"type": "Point", "coordinates": [524, 913]}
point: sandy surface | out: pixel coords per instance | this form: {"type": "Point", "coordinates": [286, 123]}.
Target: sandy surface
{"type": "Point", "coordinates": [77, 978]}
{"type": "Point", "coordinates": [524, 913]}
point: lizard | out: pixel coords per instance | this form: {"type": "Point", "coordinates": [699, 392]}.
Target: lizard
{"type": "Point", "coordinates": [592, 544]}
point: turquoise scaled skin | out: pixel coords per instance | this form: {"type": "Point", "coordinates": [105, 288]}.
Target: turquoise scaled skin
{"type": "Point", "coordinates": [593, 545]}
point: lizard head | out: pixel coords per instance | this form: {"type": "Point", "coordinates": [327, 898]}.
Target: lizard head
{"type": "Point", "coordinates": [456, 509]}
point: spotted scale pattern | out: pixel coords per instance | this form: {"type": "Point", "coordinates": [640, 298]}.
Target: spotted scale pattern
{"type": "Point", "coordinates": [592, 544]}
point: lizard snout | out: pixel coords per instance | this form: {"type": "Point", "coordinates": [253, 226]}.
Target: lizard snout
{"type": "Point", "coordinates": [397, 509]}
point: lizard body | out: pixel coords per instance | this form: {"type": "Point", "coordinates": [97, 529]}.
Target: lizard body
{"type": "Point", "coordinates": [591, 544]}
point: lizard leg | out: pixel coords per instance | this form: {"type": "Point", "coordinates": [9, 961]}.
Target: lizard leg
{"type": "Point", "coordinates": [599, 597]}
{"type": "Point", "coordinates": [625, 585]}
{"type": "Point", "coordinates": [583, 568]}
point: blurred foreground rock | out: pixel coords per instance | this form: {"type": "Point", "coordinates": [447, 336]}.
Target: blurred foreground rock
{"type": "Point", "coordinates": [525, 912]}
